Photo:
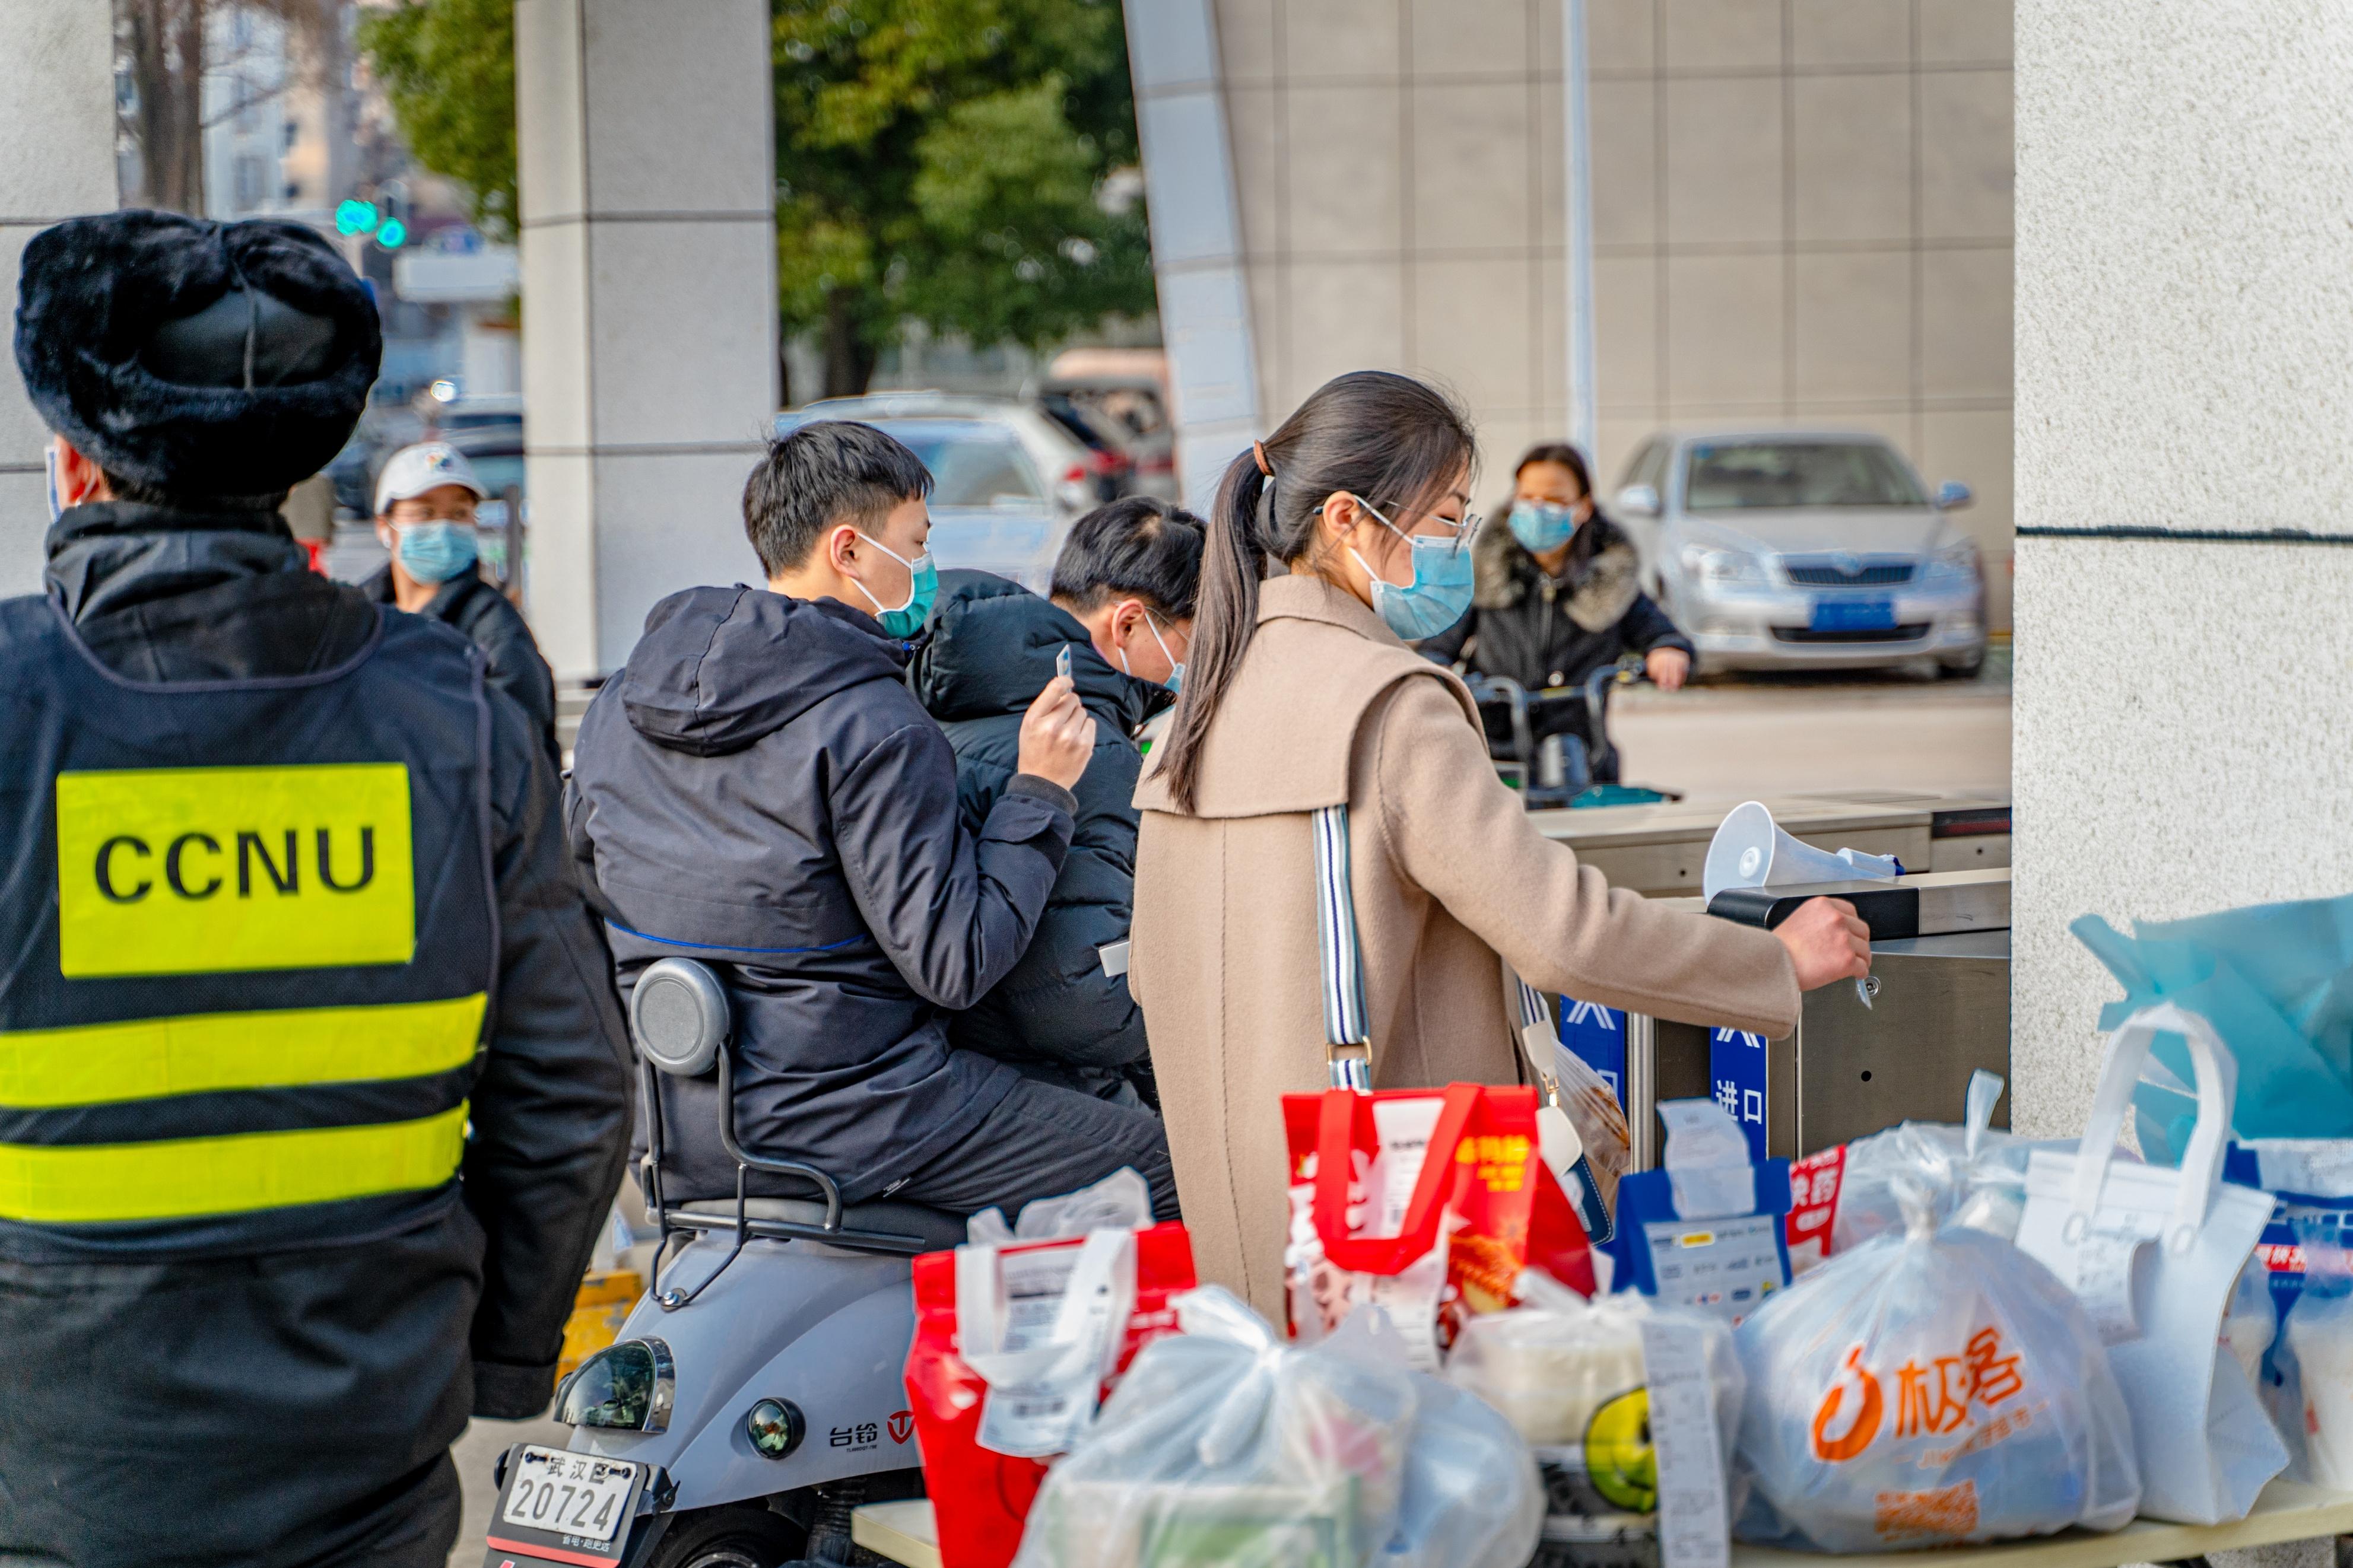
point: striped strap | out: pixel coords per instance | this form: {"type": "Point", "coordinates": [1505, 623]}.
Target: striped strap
{"type": "Point", "coordinates": [1342, 961]}
{"type": "Point", "coordinates": [1535, 1015]}
{"type": "Point", "coordinates": [1540, 1042]}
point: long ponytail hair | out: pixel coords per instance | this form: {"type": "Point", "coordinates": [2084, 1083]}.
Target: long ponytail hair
{"type": "Point", "coordinates": [1394, 441]}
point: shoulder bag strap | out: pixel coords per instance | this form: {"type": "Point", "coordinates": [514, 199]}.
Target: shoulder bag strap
{"type": "Point", "coordinates": [1348, 1047]}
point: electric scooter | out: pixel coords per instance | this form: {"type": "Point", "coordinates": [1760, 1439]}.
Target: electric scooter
{"type": "Point", "coordinates": [1556, 769]}
{"type": "Point", "coordinates": [753, 1397]}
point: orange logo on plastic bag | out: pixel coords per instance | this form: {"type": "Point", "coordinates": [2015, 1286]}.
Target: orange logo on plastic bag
{"type": "Point", "coordinates": [1932, 1399]}
{"type": "Point", "coordinates": [1865, 1425]}
{"type": "Point", "coordinates": [1949, 1511]}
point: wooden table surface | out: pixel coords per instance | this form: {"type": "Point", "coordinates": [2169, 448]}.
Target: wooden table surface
{"type": "Point", "coordinates": [902, 1531]}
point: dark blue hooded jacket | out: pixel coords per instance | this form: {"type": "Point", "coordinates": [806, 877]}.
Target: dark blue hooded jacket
{"type": "Point", "coordinates": [758, 789]}
{"type": "Point", "coordinates": [990, 653]}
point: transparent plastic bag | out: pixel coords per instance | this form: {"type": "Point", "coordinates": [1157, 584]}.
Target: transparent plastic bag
{"type": "Point", "coordinates": [2319, 1338]}
{"type": "Point", "coordinates": [1930, 1386]}
{"type": "Point", "coordinates": [1223, 1446]}
{"type": "Point", "coordinates": [1471, 1497]}
{"type": "Point", "coordinates": [1548, 1367]}
{"type": "Point", "coordinates": [1573, 1378]}
{"type": "Point", "coordinates": [1975, 1174]}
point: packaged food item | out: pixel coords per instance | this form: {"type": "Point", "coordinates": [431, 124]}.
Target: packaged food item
{"type": "Point", "coordinates": [2319, 1339]}
{"type": "Point", "coordinates": [1930, 1386]}
{"type": "Point", "coordinates": [1427, 1204]}
{"type": "Point", "coordinates": [1575, 1378]}
{"type": "Point", "coordinates": [1221, 1447]}
{"type": "Point", "coordinates": [1708, 1230]}
{"type": "Point", "coordinates": [988, 1419]}
{"type": "Point", "coordinates": [2311, 1183]}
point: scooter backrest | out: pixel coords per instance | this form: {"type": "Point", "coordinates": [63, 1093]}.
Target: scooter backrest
{"type": "Point", "coordinates": [679, 1015]}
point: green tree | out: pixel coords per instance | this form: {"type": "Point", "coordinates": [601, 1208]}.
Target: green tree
{"type": "Point", "coordinates": [939, 160]}
{"type": "Point", "coordinates": [943, 160]}
{"type": "Point", "coordinates": [448, 66]}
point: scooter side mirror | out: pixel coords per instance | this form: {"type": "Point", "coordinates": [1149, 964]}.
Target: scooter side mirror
{"type": "Point", "coordinates": [679, 1016]}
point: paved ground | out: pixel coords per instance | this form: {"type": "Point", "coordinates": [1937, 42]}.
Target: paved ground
{"type": "Point", "coordinates": [1738, 737]}
{"type": "Point", "coordinates": [1727, 740]}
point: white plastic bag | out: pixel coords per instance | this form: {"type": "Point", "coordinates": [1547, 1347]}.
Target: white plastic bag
{"type": "Point", "coordinates": [1976, 1172]}
{"type": "Point", "coordinates": [2154, 1254]}
{"type": "Point", "coordinates": [1549, 1368]}
{"type": "Point", "coordinates": [1471, 1497]}
{"type": "Point", "coordinates": [1221, 1447]}
{"type": "Point", "coordinates": [1928, 1387]}
{"type": "Point", "coordinates": [1577, 1380]}
{"type": "Point", "coordinates": [2319, 1335]}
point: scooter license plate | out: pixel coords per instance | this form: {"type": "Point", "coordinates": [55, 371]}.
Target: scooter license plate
{"type": "Point", "coordinates": [564, 1508]}
{"type": "Point", "coordinates": [1853, 614]}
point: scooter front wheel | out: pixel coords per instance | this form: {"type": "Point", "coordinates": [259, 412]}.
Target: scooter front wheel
{"type": "Point", "coordinates": [730, 1538]}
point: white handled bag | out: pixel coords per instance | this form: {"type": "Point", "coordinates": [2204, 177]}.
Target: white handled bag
{"type": "Point", "coordinates": [2153, 1253]}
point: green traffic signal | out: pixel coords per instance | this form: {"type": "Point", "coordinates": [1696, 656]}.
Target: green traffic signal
{"type": "Point", "coordinates": [391, 235]}
{"type": "Point", "coordinates": [355, 216]}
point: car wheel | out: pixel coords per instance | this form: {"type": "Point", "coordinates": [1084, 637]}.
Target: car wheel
{"type": "Point", "coordinates": [730, 1538]}
{"type": "Point", "coordinates": [1968, 671]}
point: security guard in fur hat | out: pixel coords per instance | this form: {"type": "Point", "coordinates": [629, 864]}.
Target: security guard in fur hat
{"type": "Point", "coordinates": [312, 1088]}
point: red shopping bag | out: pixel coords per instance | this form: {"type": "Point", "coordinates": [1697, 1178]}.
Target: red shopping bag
{"type": "Point", "coordinates": [981, 1499]}
{"type": "Point", "coordinates": [1426, 1202]}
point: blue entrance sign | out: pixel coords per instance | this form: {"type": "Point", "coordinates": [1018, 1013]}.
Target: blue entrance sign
{"type": "Point", "coordinates": [1597, 1036]}
{"type": "Point", "coordinates": [1736, 1074]}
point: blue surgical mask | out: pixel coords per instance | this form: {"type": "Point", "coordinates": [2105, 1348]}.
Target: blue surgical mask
{"type": "Point", "coordinates": [49, 455]}
{"type": "Point", "coordinates": [923, 586]}
{"type": "Point", "coordinates": [1542, 525]}
{"type": "Point", "coordinates": [435, 552]}
{"type": "Point", "coordinates": [1175, 681]}
{"type": "Point", "coordinates": [1440, 591]}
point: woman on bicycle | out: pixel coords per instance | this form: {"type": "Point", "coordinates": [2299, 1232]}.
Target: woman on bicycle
{"type": "Point", "coordinates": [1335, 538]}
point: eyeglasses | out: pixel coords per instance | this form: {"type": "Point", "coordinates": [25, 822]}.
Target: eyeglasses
{"type": "Point", "coordinates": [1460, 533]}
{"type": "Point", "coordinates": [416, 512]}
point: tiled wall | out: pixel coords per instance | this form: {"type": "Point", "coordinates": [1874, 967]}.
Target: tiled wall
{"type": "Point", "coordinates": [1801, 216]}
{"type": "Point", "coordinates": [1399, 168]}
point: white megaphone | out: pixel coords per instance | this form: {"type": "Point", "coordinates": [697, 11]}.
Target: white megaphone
{"type": "Point", "coordinates": [1750, 851]}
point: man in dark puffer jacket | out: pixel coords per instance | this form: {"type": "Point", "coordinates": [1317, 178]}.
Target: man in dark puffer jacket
{"type": "Point", "coordinates": [1123, 604]}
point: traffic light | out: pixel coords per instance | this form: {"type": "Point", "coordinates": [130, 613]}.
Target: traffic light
{"type": "Point", "coordinates": [392, 234]}
{"type": "Point", "coordinates": [357, 217]}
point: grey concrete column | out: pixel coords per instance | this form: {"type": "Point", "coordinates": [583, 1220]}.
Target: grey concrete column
{"type": "Point", "coordinates": [1197, 237]}
{"type": "Point", "coordinates": [56, 160]}
{"type": "Point", "coordinates": [2184, 448]}
{"type": "Point", "coordinates": [648, 304]}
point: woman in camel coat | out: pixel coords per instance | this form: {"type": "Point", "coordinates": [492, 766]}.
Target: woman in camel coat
{"type": "Point", "coordinates": [1301, 695]}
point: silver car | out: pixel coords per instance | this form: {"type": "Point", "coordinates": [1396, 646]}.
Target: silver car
{"type": "Point", "coordinates": [1804, 549]}
{"type": "Point", "coordinates": [1007, 482]}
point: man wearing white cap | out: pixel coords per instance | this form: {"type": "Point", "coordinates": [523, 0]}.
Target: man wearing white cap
{"type": "Point", "coordinates": [424, 503]}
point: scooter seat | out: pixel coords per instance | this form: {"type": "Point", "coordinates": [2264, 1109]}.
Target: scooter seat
{"type": "Point", "coordinates": [936, 1229]}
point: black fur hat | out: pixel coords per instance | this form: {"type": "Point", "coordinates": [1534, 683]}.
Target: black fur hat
{"type": "Point", "coordinates": [200, 358]}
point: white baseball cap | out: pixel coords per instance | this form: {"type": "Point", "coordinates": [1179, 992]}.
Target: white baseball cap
{"type": "Point", "coordinates": [413, 471]}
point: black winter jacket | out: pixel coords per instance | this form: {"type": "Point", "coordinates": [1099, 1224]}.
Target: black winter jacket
{"type": "Point", "coordinates": [758, 789]}
{"type": "Point", "coordinates": [991, 651]}
{"type": "Point", "coordinates": [322, 1388]}
{"type": "Point", "coordinates": [484, 614]}
{"type": "Point", "coordinates": [1543, 631]}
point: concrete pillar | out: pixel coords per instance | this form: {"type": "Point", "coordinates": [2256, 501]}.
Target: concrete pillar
{"type": "Point", "coordinates": [56, 160]}
{"type": "Point", "coordinates": [1196, 237]}
{"type": "Point", "coordinates": [2185, 485]}
{"type": "Point", "coordinates": [650, 304]}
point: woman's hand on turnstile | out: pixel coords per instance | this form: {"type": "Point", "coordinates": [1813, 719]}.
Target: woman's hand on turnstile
{"type": "Point", "coordinates": [1827, 940]}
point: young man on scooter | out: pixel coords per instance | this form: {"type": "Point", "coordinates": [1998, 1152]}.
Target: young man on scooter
{"type": "Point", "coordinates": [759, 790]}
